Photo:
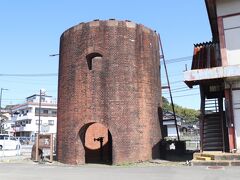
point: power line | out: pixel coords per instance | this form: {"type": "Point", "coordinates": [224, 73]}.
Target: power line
{"type": "Point", "coordinates": [175, 92]}
{"type": "Point", "coordinates": [13, 99]}
{"type": "Point", "coordinates": [181, 59]}
{"type": "Point", "coordinates": [183, 90]}
{"type": "Point", "coordinates": [185, 95]}
{"type": "Point", "coordinates": [24, 82]}
{"type": "Point", "coordinates": [30, 75]}
{"type": "Point", "coordinates": [175, 82]}
{"type": "Point", "coordinates": [183, 87]}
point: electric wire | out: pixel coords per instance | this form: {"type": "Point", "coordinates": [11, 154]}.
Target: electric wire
{"type": "Point", "coordinates": [30, 75]}
{"type": "Point", "coordinates": [177, 84]}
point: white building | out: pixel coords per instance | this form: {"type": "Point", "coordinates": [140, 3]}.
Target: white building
{"type": "Point", "coordinates": [7, 124]}
{"type": "Point", "coordinates": [26, 116]}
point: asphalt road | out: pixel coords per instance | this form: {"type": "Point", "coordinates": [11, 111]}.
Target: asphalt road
{"type": "Point", "coordinates": [11, 171]}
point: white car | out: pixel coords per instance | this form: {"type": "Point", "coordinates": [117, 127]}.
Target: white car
{"type": "Point", "coordinates": [8, 142]}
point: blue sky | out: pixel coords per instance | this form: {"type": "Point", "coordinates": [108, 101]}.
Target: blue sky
{"type": "Point", "coordinates": [30, 31]}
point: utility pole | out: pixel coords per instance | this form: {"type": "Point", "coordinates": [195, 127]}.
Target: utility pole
{"type": "Point", "coordinates": [2, 89]}
{"type": "Point", "coordinates": [42, 93]}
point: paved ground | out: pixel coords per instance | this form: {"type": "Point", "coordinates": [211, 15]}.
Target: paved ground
{"type": "Point", "coordinates": [33, 171]}
{"type": "Point", "coordinates": [22, 168]}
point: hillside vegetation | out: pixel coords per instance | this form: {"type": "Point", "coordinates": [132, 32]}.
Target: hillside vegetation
{"type": "Point", "coordinates": [189, 115]}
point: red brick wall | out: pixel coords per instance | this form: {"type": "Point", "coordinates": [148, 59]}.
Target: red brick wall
{"type": "Point", "coordinates": [122, 91]}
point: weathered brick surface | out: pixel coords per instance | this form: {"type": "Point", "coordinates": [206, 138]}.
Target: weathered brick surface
{"type": "Point", "coordinates": [122, 91]}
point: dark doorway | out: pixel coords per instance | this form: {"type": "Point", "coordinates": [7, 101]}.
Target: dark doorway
{"type": "Point", "coordinates": [97, 144]}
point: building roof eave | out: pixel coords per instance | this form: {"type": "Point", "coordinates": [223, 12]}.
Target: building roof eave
{"type": "Point", "coordinates": [212, 16]}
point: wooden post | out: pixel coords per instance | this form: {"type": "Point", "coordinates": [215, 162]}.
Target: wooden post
{"type": "Point", "coordinates": [220, 104]}
{"type": "Point", "coordinates": [51, 148]}
{"type": "Point", "coordinates": [230, 118]}
{"type": "Point", "coordinates": [37, 146]}
{"type": "Point", "coordinates": [202, 117]}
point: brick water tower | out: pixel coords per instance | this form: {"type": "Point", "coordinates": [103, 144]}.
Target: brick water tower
{"type": "Point", "coordinates": [109, 94]}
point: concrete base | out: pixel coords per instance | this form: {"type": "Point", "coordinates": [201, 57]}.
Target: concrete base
{"type": "Point", "coordinates": [14, 152]}
{"type": "Point", "coordinates": [216, 159]}
{"type": "Point", "coordinates": [215, 163]}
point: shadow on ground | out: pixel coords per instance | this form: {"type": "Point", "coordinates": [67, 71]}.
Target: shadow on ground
{"type": "Point", "coordinates": [172, 155]}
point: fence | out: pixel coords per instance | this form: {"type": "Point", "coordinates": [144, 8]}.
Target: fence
{"type": "Point", "coordinates": [192, 142]}
{"type": "Point", "coordinates": [9, 147]}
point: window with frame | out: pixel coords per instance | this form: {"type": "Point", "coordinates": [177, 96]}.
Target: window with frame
{"type": "Point", "coordinates": [37, 122]}
{"type": "Point", "coordinates": [45, 111]}
{"type": "Point", "coordinates": [50, 122]}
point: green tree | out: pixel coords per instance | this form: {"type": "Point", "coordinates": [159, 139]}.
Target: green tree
{"type": "Point", "coordinates": [189, 115]}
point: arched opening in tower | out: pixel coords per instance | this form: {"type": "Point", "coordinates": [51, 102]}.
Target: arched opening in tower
{"type": "Point", "coordinates": [92, 56]}
{"type": "Point", "coordinates": [97, 142]}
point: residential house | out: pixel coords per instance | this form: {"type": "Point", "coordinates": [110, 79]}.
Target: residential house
{"type": "Point", "coordinates": [169, 126]}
